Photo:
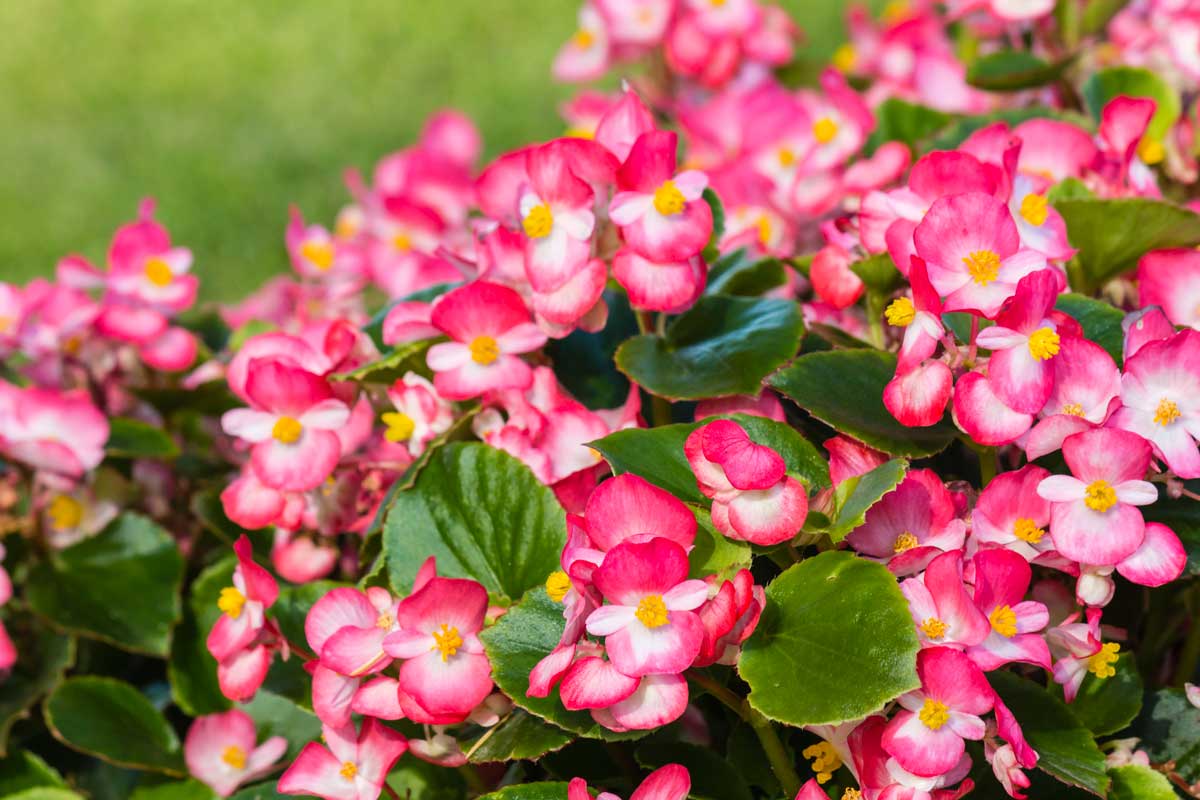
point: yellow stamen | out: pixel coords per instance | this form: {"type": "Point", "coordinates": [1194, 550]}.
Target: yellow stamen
{"type": "Point", "coordinates": [345, 228]}
{"type": "Point", "coordinates": [668, 200]}
{"type": "Point", "coordinates": [484, 350]}
{"type": "Point", "coordinates": [583, 39]}
{"type": "Point", "coordinates": [852, 794]}
{"type": "Point", "coordinates": [557, 585]}
{"type": "Point", "coordinates": [764, 230]}
{"type": "Point", "coordinates": [824, 130]}
{"type": "Point", "coordinates": [6, 323]}
{"type": "Point", "coordinates": [787, 157]}
{"type": "Point", "coordinates": [1004, 621]}
{"type": "Point", "coordinates": [65, 512]}
{"type": "Point", "coordinates": [934, 714]}
{"type": "Point", "coordinates": [287, 430]}
{"type": "Point", "coordinates": [447, 641]}
{"type": "Point", "coordinates": [348, 770]}
{"type": "Point", "coordinates": [234, 756]}
{"type": "Point", "coordinates": [1027, 530]}
{"type": "Point", "coordinates": [652, 611]}
{"type": "Point", "coordinates": [1101, 664]}
{"type": "Point", "coordinates": [1034, 209]}
{"type": "Point", "coordinates": [402, 242]}
{"type": "Point", "coordinates": [73, 345]}
{"type": "Point", "coordinates": [825, 760]}
{"type": "Point", "coordinates": [158, 272]}
{"type": "Point", "coordinates": [1166, 413]}
{"type": "Point", "coordinates": [934, 628]}
{"type": "Point", "coordinates": [1151, 151]}
{"type": "Point", "coordinates": [1043, 344]}
{"type": "Point", "coordinates": [400, 426]}
{"type": "Point", "coordinates": [385, 620]}
{"type": "Point", "coordinates": [319, 254]}
{"type": "Point", "coordinates": [1072, 410]}
{"type": "Point", "coordinates": [538, 222]}
{"type": "Point", "coordinates": [231, 601]}
{"type": "Point", "coordinates": [845, 57]}
{"type": "Point", "coordinates": [1100, 496]}
{"type": "Point", "coordinates": [579, 133]}
{"type": "Point", "coordinates": [900, 312]}
{"type": "Point", "coordinates": [905, 541]}
{"type": "Point", "coordinates": [984, 266]}
{"type": "Point", "coordinates": [895, 11]}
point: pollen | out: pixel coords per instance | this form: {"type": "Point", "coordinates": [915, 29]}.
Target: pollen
{"type": "Point", "coordinates": [1166, 413]}
{"type": "Point", "coordinates": [583, 39]}
{"type": "Point", "coordinates": [852, 794]}
{"type": "Point", "coordinates": [895, 11]}
{"type": "Point", "coordinates": [287, 430]}
{"type": "Point", "coordinates": [1034, 209]}
{"type": "Point", "coordinates": [447, 641]}
{"type": "Point", "coordinates": [1004, 621]}
{"type": "Point", "coordinates": [824, 130]}
{"type": "Point", "coordinates": [158, 272]}
{"type": "Point", "coordinates": [1027, 530]}
{"type": "Point", "coordinates": [65, 512]}
{"type": "Point", "coordinates": [845, 57]}
{"type": "Point", "coordinates": [385, 620]}
{"type": "Point", "coordinates": [484, 350]}
{"type": "Point", "coordinates": [234, 756]}
{"type": "Point", "coordinates": [764, 230]}
{"type": "Point", "coordinates": [557, 585]}
{"type": "Point", "coordinates": [984, 266]}
{"type": "Point", "coordinates": [668, 200]}
{"type": "Point", "coordinates": [230, 601]}
{"type": "Point", "coordinates": [1101, 664]}
{"type": "Point", "coordinates": [1099, 496]}
{"type": "Point", "coordinates": [652, 611]}
{"type": "Point", "coordinates": [905, 541]}
{"type": "Point", "coordinates": [1151, 151]}
{"type": "Point", "coordinates": [402, 242]}
{"type": "Point", "coordinates": [934, 714]}
{"type": "Point", "coordinates": [538, 222]}
{"type": "Point", "coordinates": [1043, 344]}
{"type": "Point", "coordinates": [934, 628]}
{"type": "Point", "coordinates": [1072, 410]}
{"type": "Point", "coordinates": [825, 760]}
{"type": "Point", "coordinates": [319, 254]}
{"type": "Point", "coordinates": [400, 426]}
{"type": "Point", "coordinates": [349, 770]}
{"type": "Point", "coordinates": [786, 156]}
{"type": "Point", "coordinates": [900, 312]}
{"type": "Point", "coordinates": [6, 323]}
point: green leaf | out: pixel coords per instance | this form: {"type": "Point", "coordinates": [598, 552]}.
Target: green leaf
{"type": "Point", "coordinates": [1097, 13]}
{"type": "Point", "coordinates": [835, 643]}
{"type": "Point", "coordinates": [530, 791]}
{"type": "Point", "coordinates": [713, 554]}
{"type": "Point", "coordinates": [267, 791]}
{"type": "Point", "coordinates": [46, 793]}
{"type": "Point", "coordinates": [844, 389]}
{"type": "Point", "coordinates": [713, 778]}
{"type": "Point", "coordinates": [132, 438]}
{"type": "Point", "coordinates": [483, 514]}
{"type": "Point", "coordinates": [190, 789]}
{"type": "Point", "coordinates": [1169, 729]}
{"type": "Point", "coordinates": [737, 273]}
{"type": "Point", "coordinates": [1065, 747]}
{"type": "Point", "coordinates": [25, 770]}
{"type": "Point", "coordinates": [43, 658]}
{"type": "Point", "coordinates": [1068, 189]}
{"type": "Point", "coordinates": [1135, 782]}
{"type": "Point", "coordinates": [207, 507]}
{"type": "Point", "coordinates": [877, 272]}
{"type": "Point", "coordinates": [374, 328]}
{"type": "Point", "coordinates": [113, 721]}
{"type": "Point", "coordinates": [1101, 322]}
{"type": "Point", "coordinates": [191, 669]}
{"type": "Point", "coordinates": [1011, 70]}
{"type": "Point", "coordinates": [722, 346]}
{"type": "Point", "coordinates": [1107, 705]}
{"type": "Point", "coordinates": [957, 133]}
{"type": "Point", "coordinates": [718, 215]}
{"type": "Point", "coordinates": [1109, 83]}
{"type": "Point", "coordinates": [120, 586]}
{"type": "Point", "coordinates": [520, 736]}
{"type": "Point", "coordinates": [583, 362]}
{"type": "Point", "coordinates": [516, 643]}
{"type": "Point", "coordinates": [406, 357]}
{"type": "Point", "coordinates": [1112, 234]}
{"type": "Point", "coordinates": [414, 779]}
{"type": "Point", "coordinates": [856, 495]}
{"type": "Point", "coordinates": [898, 120]}
{"type": "Point", "coordinates": [274, 715]}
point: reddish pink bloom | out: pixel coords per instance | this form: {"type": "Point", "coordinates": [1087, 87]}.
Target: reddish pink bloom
{"type": "Point", "coordinates": [1002, 579]}
{"type": "Point", "coordinates": [1041, 227]}
{"type": "Point", "coordinates": [764, 404]}
{"type": "Point", "coordinates": [628, 508]}
{"type": "Point", "coordinates": [882, 777]}
{"type": "Point", "coordinates": [670, 286]}
{"type": "Point", "coordinates": [1011, 514]}
{"type": "Point", "coordinates": [144, 267]}
{"type": "Point", "coordinates": [348, 766]}
{"type": "Point", "coordinates": [51, 431]}
{"type": "Point", "coordinates": [1087, 386]}
{"type": "Point", "coordinates": [1023, 343]}
{"type": "Point", "coordinates": [941, 607]}
{"type": "Point", "coordinates": [1171, 279]}
{"type": "Point", "coordinates": [241, 639]}
{"type": "Point", "coordinates": [301, 559]}
{"type": "Point", "coordinates": [1160, 559]}
{"type": "Point", "coordinates": [1143, 327]}
{"type": "Point", "coordinates": [408, 322]}
{"type": "Point", "coordinates": [555, 209]}
{"type": "Point", "coordinates": [849, 458]}
{"type": "Point", "coordinates": [983, 416]}
{"type": "Point", "coordinates": [420, 414]}
{"type": "Point", "coordinates": [671, 782]}
{"type": "Point", "coordinates": [918, 394]}
{"type": "Point", "coordinates": [730, 615]}
{"type": "Point", "coordinates": [1080, 650]}
{"type": "Point", "coordinates": [832, 278]}
{"type": "Point", "coordinates": [584, 56]}
{"type": "Point", "coordinates": [911, 524]}
{"type": "Point", "coordinates": [220, 751]}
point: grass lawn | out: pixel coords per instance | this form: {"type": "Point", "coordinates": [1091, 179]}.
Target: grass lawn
{"type": "Point", "coordinates": [228, 110]}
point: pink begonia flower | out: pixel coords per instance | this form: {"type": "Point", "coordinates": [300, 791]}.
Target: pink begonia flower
{"type": "Point", "coordinates": [490, 327]}
{"type": "Point", "coordinates": [1160, 559]}
{"type": "Point", "coordinates": [1160, 397]}
{"type": "Point", "coordinates": [8, 651]}
{"type": "Point", "coordinates": [348, 766]}
{"type": "Point", "coordinates": [941, 607]}
{"type": "Point", "coordinates": [668, 286]}
{"type": "Point", "coordinates": [1171, 279]}
{"type": "Point", "coordinates": [584, 56]}
{"type": "Point", "coordinates": [291, 426]}
{"type": "Point", "coordinates": [918, 393]}
{"type": "Point", "coordinates": [1010, 514]}
{"type": "Point", "coordinates": [1094, 517]}
{"type": "Point", "coordinates": [241, 638]}
{"type": "Point", "coordinates": [765, 404]}
{"type": "Point", "coordinates": [555, 209]}
{"type": "Point", "coordinates": [408, 322]}
{"type": "Point", "coordinates": [1087, 388]}
{"type": "Point", "coordinates": [671, 782]}
{"type": "Point", "coordinates": [73, 515]}
{"type": "Point", "coordinates": [832, 279]}
{"type": "Point", "coordinates": [1006, 768]}
{"type": "Point", "coordinates": [301, 559]}
{"type": "Point", "coordinates": [754, 499]}
{"type": "Point", "coordinates": [971, 246]}
{"type": "Point", "coordinates": [252, 504]}
{"type": "Point", "coordinates": [420, 415]}
{"type": "Point", "coordinates": [50, 430]}
{"type": "Point", "coordinates": [882, 778]}
{"type": "Point", "coordinates": [1023, 344]}
{"type": "Point", "coordinates": [346, 629]}
{"type": "Point", "coordinates": [983, 416]}
{"type": "Point", "coordinates": [708, 59]}
{"type": "Point", "coordinates": [1144, 326]}
{"type": "Point", "coordinates": [624, 121]}
{"type": "Point", "coordinates": [143, 266]}
{"type": "Point", "coordinates": [1080, 650]}
{"type": "Point", "coordinates": [1123, 124]}
{"type": "Point", "coordinates": [1002, 579]}
{"type": "Point", "coordinates": [729, 616]}
{"type": "Point", "coordinates": [648, 624]}
{"type": "Point", "coordinates": [849, 458]}
{"type": "Point", "coordinates": [316, 254]}
{"type": "Point", "coordinates": [1041, 227]}
{"type": "Point", "coordinates": [629, 508]}
{"type": "Point", "coordinates": [926, 738]}
{"type": "Point", "coordinates": [220, 751]}
{"type": "Point", "coordinates": [911, 525]}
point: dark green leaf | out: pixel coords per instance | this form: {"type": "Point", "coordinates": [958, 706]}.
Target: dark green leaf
{"type": "Point", "coordinates": [1169, 729]}
{"type": "Point", "coordinates": [1135, 782]}
{"type": "Point", "coordinates": [43, 657]}
{"type": "Point", "coordinates": [1113, 82]}
{"type": "Point", "coordinates": [46, 793]}
{"type": "Point", "coordinates": [1010, 70]}
{"type": "Point", "coordinates": [1068, 189]}
{"type": "Point", "coordinates": [713, 778]}
{"type": "Point", "coordinates": [265, 791]}
{"type": "Point", "coordinates": [738, 273]}
{"type": "Point", "coordinates": [856, 495]}
{"type": "Point", "coordinates": [414, 779]}
{"type": "Point", "coordinates": [520, 736]}
{"type": "Point", "coordinates": [530, 791]}
{"type": "Point", "coordinates": [25, 770]}
{"type": "Point", "coordinates": [718, 215]}
{"type": "Point", "coordinates": [191, 789]}
{"type": "Point", "coordinates": [713, 554]}
{"type": "Point", "coordinates": [274, 715]}
{"type": "Point", "coordinates": [583, 362]}
{"type": "Point", "coordinates": [1101, 322]}
{"type": "Point", "coordinates": [835, 642]}
{"type": "Point", "coordinates": [1107, 705]}
{"type": "Point", "coordinates": [878, 273]}
{"type": "Point", "coordinates": [191, 669]}
{"type": "Point", "coordinates": [132, 438]}
{"type": "Point", "coordinates": [403, 358]}
{"type": "Point", "coordinates": [898, 120]}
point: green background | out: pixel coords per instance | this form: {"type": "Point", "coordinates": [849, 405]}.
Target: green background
{"type": "Point", "coordinates": [229, 110]}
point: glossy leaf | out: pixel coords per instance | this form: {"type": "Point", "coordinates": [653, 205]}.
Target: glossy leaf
{"type": "Point", "coordinates": [23, 770]}
{"type": "Point", "coordinates": [274, 715]}
{"type": "Point", "coordinates": [1136, 782]}
{"type": "Point", "coordinates": [1011, 70]}
{"type": "Point", "coordinates": [856, 495]}
{"type": "Point", "coordinates": [1101, 322]}
{"type": "Point", "coordinates": [406, 357]}
{"type": "Point", "coordinates": [132, 438]}
{"type": "Point", "coordinates": [530, 791]}
{"type": "Point", "coordinates": [43, 657]}
{"type": "Point", "coordinates": [520, 736]}
{"type": "Point", "coordinates": [713, 778]}
{"type": "Point", "coordinates": [901, 121]}
{"type": "Point", "coordinates": [1107, 705]}
{"type": "Point", "coordinates": [190, 789]}
{"type": "Point", "coordinates": [739, 273]}
{"type": "Point", "coordinates": [877, 272]}
{"type": "Point", "coordinates": [1169, 729]}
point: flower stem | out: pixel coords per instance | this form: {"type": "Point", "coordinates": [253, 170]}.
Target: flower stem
{"type": "Point", "coordinates": [875, 318]}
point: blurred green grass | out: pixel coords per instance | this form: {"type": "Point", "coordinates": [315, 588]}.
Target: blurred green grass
{"type": "Point", "coordinates": [227, 111]}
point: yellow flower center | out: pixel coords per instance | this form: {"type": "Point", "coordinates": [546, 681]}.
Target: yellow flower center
{"type": "Point", "coordinates": [6, 323]}
{"type": "Point", "coordinates": [538, 222]}
{"type": "Point", "coordinates": [764, 230]}
{"type": "Point", "coordinates": [402, 242]}
{"type": "Point", "coordinates": [668, 200]}
{"type": "Point", "coordinates": [895, 11]}
{"type": "Point", "coordinates": [583, 39]}
{"type": "Point", "coordinates": [1004, 621]}
{"type": "Point", "coordinates": [934, 714]}
{"type": "Point", "coordinates": [557, 585]}
{"type": "Point", "coordinates": [825, 760]}
{"type": "Point", "coordinates": [905, 541]}
{"type": "Point", "coordinates": [1072, 410]}
{"type": "Point", "coordinates": [1151, 151]}
{"type": "Point", "coordinates": [1027, 530]}
{"type": "Point", "coordinates": [287, 430]}
{"type": "Point", "coordinates": [484, 350]}
{"type": "Point", "coordinates": [984, 266]}
{"type": "Point", "coordinates": [1043, 344]}
{"type": "Point", "coordinates": [1034, 209]}
{"type": "Point", "coordinates": [900, 312]}
{"type": "Point", "coordinates": [787, 157]}
{"type": "Point", "coordinates": [824, 130]}
{"type": "Point", "coordinates": [852, 794]}
{"type": "Point", "coordinates": [845, 57]}
{"type": "Point", "coordinates": [1166, 413]}
{"type": "Point", "coordinates": [345, 228]}
{"type": "Point", "coordinates": [65, 512]}
{"type": "Point", "coordinates": [234, 756]}
{"type": "Point", "coordinates": [158, 272]}
{"type": "Point", "coordinates": [1101, 664]}
{"type": "Point", "coordinates": [447, 641]}
{"type": "Point", "coordinates": [652, 611]}
{"type": "Point", "coordinates": [385, 620]}
{"type": "Point", "coordinates": [1099, 496]}
{"type": "Point", "coordinates": [934, 628]}
{"type": "Point", "coordinates": [400, 426]}
{"type": "Point", "coordinates": [349, 770]}
{"type": "Point", "coordinates": [231, 601]}
{"type": "Point", "coordinates": [319, 254]}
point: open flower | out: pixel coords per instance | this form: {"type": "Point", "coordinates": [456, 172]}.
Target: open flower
{"type": "Point", "coordinates": [419, 416]}
{"type": "Point", "coordinates": [911, 525]}
{"type": "Point", "coordinates": [941, 607]}
{"type": "Point", "coordinates": [51, 431]}
{"type": "Point", "coordinates": [1011, 514]}
{"type": "Point", "coordinates": [555, 209]}
{"type": "Point", "coordinates": [1024, 343]}
{"type": "Point", "coordinates": [220, 751]}
{"type": "Point", "coordinates": [1086, 390]}
{"type": "Point", "coordinates": [1080, 650]}
{"type": "Point", "coordinates": [1171, 279]}
{"type": "Point", "coordinates": [671, 782]}
{"type": "Point", "coordinates": [240, 640]}
{"type": "Point", "coordinates": [348, 766]}
{"type": "Point", "coordinates": [1002, 578]}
